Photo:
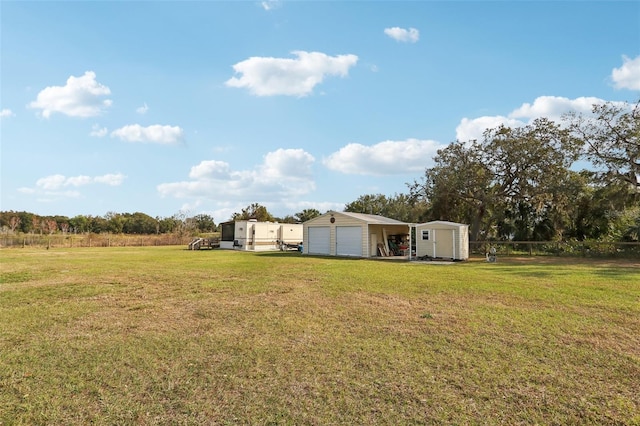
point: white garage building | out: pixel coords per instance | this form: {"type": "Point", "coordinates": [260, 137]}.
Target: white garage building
{"type": "Point", "coordinates": [355, 234]}
{"type": "Point", "coordinates": [442, 239]}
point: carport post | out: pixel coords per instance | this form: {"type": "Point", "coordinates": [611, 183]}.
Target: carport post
{"type": "Point", "coordinates": [410, 241]}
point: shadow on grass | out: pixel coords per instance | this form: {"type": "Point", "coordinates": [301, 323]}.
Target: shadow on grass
{"type": "Point", "coordinates": [306, 256]}
{"type": "Point", "coordinates": [610, 268]}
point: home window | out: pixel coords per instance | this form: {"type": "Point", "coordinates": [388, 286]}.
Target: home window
{"type": "Point", "coordinates": [425, 234]}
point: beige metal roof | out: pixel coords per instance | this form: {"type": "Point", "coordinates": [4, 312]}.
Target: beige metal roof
{"type": "Point", "coordinates": [373, 218]}
{"type": "Point", "coordinates": [441, 222]}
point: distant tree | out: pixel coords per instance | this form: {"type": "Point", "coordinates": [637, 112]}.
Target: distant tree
{"type": "Point", "coordinates": [138, 223]}
{"type": "Point", "coordinates": [61, 221]}
{"type": "Point", "coordinates": [182, 224]}
{"type": "Point", "coordinates": [36, 224]}
{"type": "Point", "coordinates": [79, 224]}
{"type": "Point", "coordinates": [115, 222]}
{"type": "Point", "coordinates": [98, 224]}
{"type": "Point", "coordinates": [401, 207]}
{"type": "Point", "coordinates": [167, 225]}
{"type": "Point", "coordinates": [368, 204]}
{"type": "Point", "coordinates": [50, 226]}
{"type": "Point", "coordinates": [254, 211]}
{"type": "Point", "coordinates": [204, 223]}
{"type": "Point", "coordinates": [405, 208]}
{"type": "Point", "coordinates": [306, 214]}
{"type": "Point", "coordinates": [14, 222]}
{"type": "Point", "coordinates": [287, 219]}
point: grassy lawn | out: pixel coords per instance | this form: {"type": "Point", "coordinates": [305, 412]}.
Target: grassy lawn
{"type": "Point", "coordinates": [169, 336]}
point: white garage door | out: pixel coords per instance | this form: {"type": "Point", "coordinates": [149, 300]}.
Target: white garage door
{"type": "Point", "coordinates": [319, 240]}
{"type": "Point", "coordinates": [349, 240]}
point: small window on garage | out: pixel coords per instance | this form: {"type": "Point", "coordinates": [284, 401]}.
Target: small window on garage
{"type": "Point", "coordinates": [425, 234]}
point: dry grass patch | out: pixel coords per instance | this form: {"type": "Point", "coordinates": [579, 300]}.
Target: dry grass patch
{"type": "Point", "coordinates": [168, 336]}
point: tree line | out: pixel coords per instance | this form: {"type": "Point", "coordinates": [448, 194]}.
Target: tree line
{"type": "Point", "coordinates": [111, 222]}
{"type": "Point", "coordinates": [135, 223]}
{"type": "Point", "coordinates": [514, 184]}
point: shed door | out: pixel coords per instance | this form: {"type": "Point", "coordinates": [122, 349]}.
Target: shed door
{"type": "Point", "coordinates": [349, 240]}
{"type": "Point", "coordinates": [319, 240]}
{"type": "Point", "coordinates": [444, 243]}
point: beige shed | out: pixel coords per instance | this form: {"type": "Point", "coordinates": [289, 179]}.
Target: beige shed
{"type": "Point", "coordinates": [442, 239]}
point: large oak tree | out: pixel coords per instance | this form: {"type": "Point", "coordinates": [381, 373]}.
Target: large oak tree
{"type": "Point", "coordinates": [476, 182]}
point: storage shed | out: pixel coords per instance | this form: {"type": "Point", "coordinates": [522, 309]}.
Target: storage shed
{"type": "Point", "coordinates": [251, 235]}
{"type": "Point", "coordinates": [442, 239]}
{"type": "Point", "coordinates": [355, 234]}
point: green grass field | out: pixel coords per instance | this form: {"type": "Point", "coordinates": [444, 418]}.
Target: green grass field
{"type": "Point", "coordinates": [169, 336]}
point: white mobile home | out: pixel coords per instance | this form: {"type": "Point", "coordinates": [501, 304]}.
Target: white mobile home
{"type": "Point", "coordinates": [355, 234]}
{"type": "Point", "coordinates": [251, 235]}
{"type": "Point", "coordinates": [442, 239]}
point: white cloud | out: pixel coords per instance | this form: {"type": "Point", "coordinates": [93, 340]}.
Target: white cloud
{"type": "Point", "coordinates": [111, 179]}
{"type": "Point", "coordinates": [5, 112]}
{"type": "Point", "coordinates": [266, 76]}
{"type": "Point", "coordinates": [270, 4]}
{"type": "Point", "coordinates": [98, 132]}
{"type": "Point", "coordinates": [143, 109]}
{"type": "Point", "coordinates": [80, 97]}
{"type": "Point", "coordinates": [551, 107]}
{"type": "Point", "coordinates": [58, 181]}
{"type": "Point", "coordinates": [210, 169]}
{"type": "Point", "coordinates": [287, 163]}
{"type": "Point", "coordinates": [401, 34]}
{"type": "Point", "coordinates": [283, 174]}
{"type": "Point", "coordinates": [78, 181]}
{"type": "Point", "coordinates": [628, 75]}
{"type": "Point", "coordinates": [58, 185]}
{"type": "Point", "coordinates": [166, 135]}
{"type": "Point", "coordinates": [384, 158]}
{"type": "Point", "coordinates": [51, 182]}
{"type": "Point", "coordinates": [470, 129]}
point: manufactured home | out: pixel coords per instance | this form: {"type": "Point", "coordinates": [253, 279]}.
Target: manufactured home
{"type": "Point", "coordinates": [251, 235]}
{"type": "Point", "coordinates": [355, 234]}
{"type": "Point", "coordinates": [442, 239]}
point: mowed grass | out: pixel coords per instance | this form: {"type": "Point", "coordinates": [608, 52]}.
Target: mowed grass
{"type": "Point", "coordinates": [169, 336]}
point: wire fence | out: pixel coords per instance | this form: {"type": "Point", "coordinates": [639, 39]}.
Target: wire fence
{"type": "Point", "coordinates": [558, 248]}
{"type": "Point", "coordinates": [92, 240]}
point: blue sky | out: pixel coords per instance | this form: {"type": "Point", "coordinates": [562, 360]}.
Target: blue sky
{"type": "Point", "coordinates": [208, 106]}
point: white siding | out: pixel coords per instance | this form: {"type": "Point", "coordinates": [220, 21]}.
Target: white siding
{"type": "Point", "coordinates": [290, 233]}
{"type": "Point", "coordinates": [252, 235]}
{"type": "Point", "coordinates": [243, 230]}
{"type": "Point", "coordinates": [265, 236]}
{"type": "Point", "coordinates": [446, 239]}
